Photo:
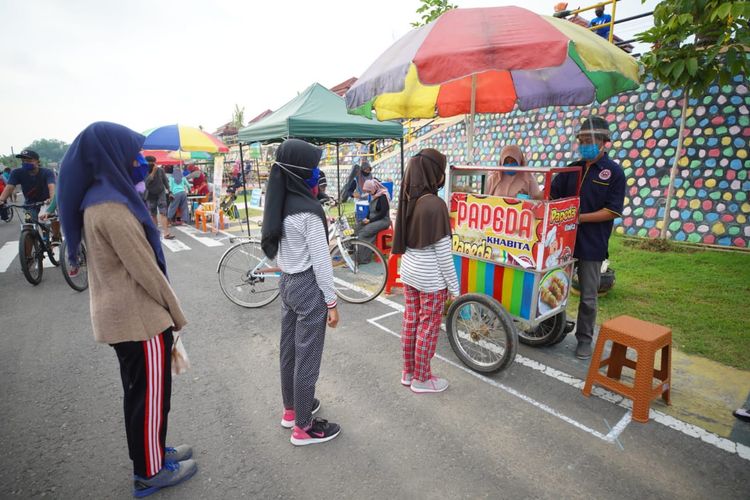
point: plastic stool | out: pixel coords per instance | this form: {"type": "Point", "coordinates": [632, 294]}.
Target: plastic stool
{"type": "Point", "coordinates": [394, 278]}
{"type": "Point", "coordinates": [383, 240]}
{"type": "Point", "coordinates": [646, 339]}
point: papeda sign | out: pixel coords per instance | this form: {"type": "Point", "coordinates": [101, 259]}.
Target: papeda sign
{"type": "Point", "coordinates": [513, 231]}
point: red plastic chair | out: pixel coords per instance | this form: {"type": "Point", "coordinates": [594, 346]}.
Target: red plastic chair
{"type": "Point", "coordinates": [384, 240]}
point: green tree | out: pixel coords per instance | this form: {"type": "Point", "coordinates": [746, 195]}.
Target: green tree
{"type": "Point", "coordinates": [9, 161]}
{"type": "Point", "coordinates": [431, 10]}
{"type": "Point", "coordinates": [49, 150]}
{"type": "Point", "coordinates": [238, 116]}
{"type": "Point", "coordinates": [695, 44]}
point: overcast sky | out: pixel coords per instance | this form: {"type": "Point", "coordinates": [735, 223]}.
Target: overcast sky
{"type": "Point", "coordinates": [145, 63]}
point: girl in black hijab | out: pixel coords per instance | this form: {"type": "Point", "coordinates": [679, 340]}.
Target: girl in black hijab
{"type": "Point", "coordinates": [295, 231]}
{"type": "Point", "coordinates": [422, 234]}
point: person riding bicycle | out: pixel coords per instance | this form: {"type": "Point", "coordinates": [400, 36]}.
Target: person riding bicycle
{"type": "Point", "coordinates": [37, 184]}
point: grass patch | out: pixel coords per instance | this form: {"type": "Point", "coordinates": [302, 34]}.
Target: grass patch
{"type": "Point", "coordinates": [703, 295]}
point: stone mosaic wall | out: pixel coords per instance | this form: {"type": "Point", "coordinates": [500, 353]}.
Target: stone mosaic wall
{"type": "Point", "coordinates": [711, 203]}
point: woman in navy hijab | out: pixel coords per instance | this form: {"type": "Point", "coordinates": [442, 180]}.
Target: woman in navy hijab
{"type": "Point", "coordinates": [133, 306]}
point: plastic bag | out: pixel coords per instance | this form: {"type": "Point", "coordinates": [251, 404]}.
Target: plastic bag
{"type": "Point", "coordinates": [180, 360]}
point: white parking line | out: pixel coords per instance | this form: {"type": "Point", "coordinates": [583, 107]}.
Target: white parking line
{"type": "Point", "coordinates": [610, 438]}
{"type": "Point", "coordinates": [691, 430]}
{"type": "Point", "coordinates": [175, 245]}
{"type": "Point", "coordinates": [7, 254]}
{"type": "Point", "coordinates": [193, 233]}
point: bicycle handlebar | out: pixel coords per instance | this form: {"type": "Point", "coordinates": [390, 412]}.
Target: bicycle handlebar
{"type": "Point", "coordinates": [26, 205]}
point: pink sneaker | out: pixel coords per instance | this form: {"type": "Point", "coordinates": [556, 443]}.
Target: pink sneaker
{"type": "Point", "coordinates": [319, 431]}
{"type": "Point", "coordinates": [433, 384]}
{"type": "Point", "coordinates": [406, 378]}
{"type": "Point", "coordinates": [287, 420]}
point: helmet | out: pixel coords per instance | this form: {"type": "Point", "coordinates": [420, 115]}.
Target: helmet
{"type": "Point", "coordinates": [597, 126]}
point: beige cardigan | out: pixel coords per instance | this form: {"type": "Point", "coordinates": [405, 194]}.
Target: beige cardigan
{"type": "Point", "coordinates": [131, 299]}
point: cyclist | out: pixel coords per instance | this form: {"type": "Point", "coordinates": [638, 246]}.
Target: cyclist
{"type": "Point", "coordinates": [37, 184]}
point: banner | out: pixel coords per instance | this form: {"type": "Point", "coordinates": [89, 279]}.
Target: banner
{"type": "Point", "coordinates": [218, 184]}
{"type": "Point", "coordinates": [496, 229]}
{"type": "Point", "coordinates": [560, 233]}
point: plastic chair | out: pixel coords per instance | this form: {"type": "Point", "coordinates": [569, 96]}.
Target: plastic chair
{"type": "Point", "coordinates": [646, 339]}
{"type": "Point", "coordinates": [206, 212]}
{"type": "Point", "coordinates": [383, 240]}
{"type": "Point", "coordinates": [394, 278]}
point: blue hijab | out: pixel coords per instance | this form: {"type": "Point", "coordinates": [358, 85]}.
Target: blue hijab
{"type": "Point", "coordinates": [98, 169]}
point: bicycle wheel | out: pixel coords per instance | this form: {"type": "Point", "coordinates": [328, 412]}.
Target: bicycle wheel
{"type": "Point", "coordinates": [481, 333]}
{"type": "Point", "coordinates": [360, 275]}
{"type": "Point", "coordinates": [545, 333]}
{"type": "Point", "coordinates": [236, 280]}
{"type": "Point", "coordinates": [31, 254]}
{"type": "Point", "coordinates": [80, 281]}
{"type": "Point", "coordinates": [54, 253]}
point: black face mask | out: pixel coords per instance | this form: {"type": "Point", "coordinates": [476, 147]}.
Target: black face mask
{"type": "Point", "coordinates": [151, 167]}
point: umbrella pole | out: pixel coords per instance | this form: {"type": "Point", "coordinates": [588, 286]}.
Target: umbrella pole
{"type": "Point", "coordinates": [470, 124]}
{"type": "Point", "coordinates": [338, 176]}
{"type": "Point", "coordinates": [244, 189]}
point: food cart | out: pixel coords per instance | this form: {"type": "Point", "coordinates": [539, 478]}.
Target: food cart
{"type": "Point", "coordinates": [514, 261]}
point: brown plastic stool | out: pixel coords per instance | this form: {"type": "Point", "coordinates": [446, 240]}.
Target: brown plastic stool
{"type": "Point", "coordinates": [646, 339]}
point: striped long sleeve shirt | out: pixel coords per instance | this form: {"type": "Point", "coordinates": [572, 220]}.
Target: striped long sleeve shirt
{"type": "Point", "coordinates": [303, 245]}
{"type": "Point", "coordinates": [431, 268]}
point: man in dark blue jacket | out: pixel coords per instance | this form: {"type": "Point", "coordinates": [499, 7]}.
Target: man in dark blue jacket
{"type": "Point", "coordinates": [602, 198]}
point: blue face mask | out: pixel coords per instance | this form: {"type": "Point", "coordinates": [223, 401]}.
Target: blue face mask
{"type": "Point", "coordinates": [511, 164]}
{"type": "Point", "coordinates": [27, 166]}
{"type": "Point", "coordinates": [139, 173]}
{"type": "Point", "coordinates": [312, 182]}
{"type": "Point", "coordinates": [589, 151]}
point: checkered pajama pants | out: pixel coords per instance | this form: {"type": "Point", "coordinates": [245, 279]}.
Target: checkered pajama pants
{"type": "Point", "coordinates": [420, 329]}
{"type": "Point", "coordinates": [303, 326]}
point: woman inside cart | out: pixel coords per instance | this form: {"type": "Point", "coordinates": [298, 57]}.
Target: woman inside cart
{"type": "Point", "coordinates": [513, 184]}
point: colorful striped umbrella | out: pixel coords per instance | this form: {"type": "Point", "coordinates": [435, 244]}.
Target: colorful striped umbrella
{"type": "Point", "coordinates": [490, 60]}
{"type": "Point", "coordinates": [175, 157]}
{"type": "Point", "coordinates": [182, 138]}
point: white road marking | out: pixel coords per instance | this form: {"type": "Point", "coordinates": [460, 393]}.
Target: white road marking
{"type": "Point", "coordinates": [512, 392]}
{"type": "Point", "coordinates": [692, 430]}
{"type": "Point", "coordinates": [193, 233]}
{"type": "Point", "coordinates": [175, 245]}
{"type": "Point", "coordinates": [7, 254]}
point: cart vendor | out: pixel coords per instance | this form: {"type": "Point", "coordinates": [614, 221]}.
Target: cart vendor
{"type": "Point", "coordinates": [602, 198]}
{"type": "Point", "coordinates": [513, 184]}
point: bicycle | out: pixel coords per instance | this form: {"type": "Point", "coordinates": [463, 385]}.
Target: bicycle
{"type": "Point", "coordinates": [34, 242]}
{"type": "Point", "coordinates": [80, 280]}
{"type": "Point", "coordinates": [250, 279]}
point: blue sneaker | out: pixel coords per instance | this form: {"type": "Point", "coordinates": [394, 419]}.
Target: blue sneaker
{"type": "Point", "coordinates": [172, 474]}
{"type": "Point", "coordinates": [178, 453]}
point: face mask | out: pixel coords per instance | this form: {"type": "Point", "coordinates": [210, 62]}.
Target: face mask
{"type": "Point", "coordinates": [27, 166]}
{"type": "Point", "coordinates": [511, 164]}
{"type": "Point", "coordinates": [312, 182]}
{"type": "Point", "coordinates": [589, 151]}
{"type": "Point", "coordinates": [138, 174]}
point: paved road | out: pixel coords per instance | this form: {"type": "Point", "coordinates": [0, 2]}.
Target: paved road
{"type": "Point", "coordinates": [527, 432]}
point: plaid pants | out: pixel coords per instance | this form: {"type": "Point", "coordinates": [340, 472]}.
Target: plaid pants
{"type": "Point", "coordinates": [420, 329]}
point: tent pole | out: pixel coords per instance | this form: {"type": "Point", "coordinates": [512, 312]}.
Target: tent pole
{"type": "Point", "coordinates": [338, 176]}
{"type": "Point", "coordinates": [402, 157]}
{"type": "Point", "coordinates": [470, 131]}
{"type": "Point", "coordinates": [244, 189]}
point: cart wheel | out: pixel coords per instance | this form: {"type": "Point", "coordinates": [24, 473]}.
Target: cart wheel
{"type": "Point", "coordinates": [482, 333]}
{"type": "Point", "coordinates": [548, 332]}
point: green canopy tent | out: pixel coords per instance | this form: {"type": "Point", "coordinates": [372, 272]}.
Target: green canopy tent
{"type": "Point", "coordinates": [318, 115]}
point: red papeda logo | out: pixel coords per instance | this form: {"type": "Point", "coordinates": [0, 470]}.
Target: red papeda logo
{"type": "Point", "coordinates": [605, 174]}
